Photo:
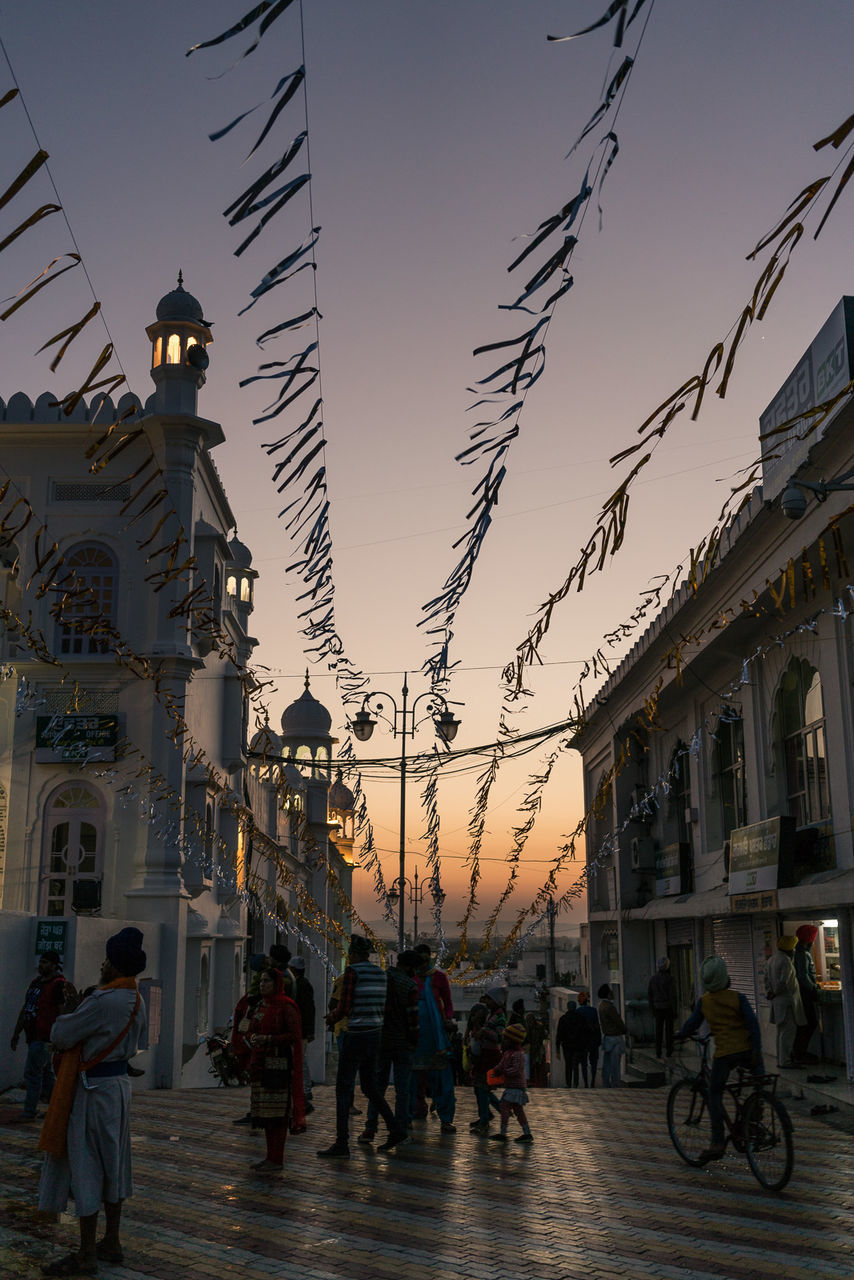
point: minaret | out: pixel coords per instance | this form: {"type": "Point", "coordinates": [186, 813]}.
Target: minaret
{"type": "Point", "coordinates": [179, 338]}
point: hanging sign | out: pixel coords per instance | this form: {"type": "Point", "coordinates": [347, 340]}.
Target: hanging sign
{"type": "Point", "coordinates": [755, 853]}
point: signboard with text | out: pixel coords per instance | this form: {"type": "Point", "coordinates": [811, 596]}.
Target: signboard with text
{"type": "Point", "coordinates": [822, 371]}
{"type": "Point", "coordinates": [62, 738]}
{"type": "Point", "coordinates": [668, 871]}
{"type": "Point", "coordinates": [52, 935]}
{"type": "Point", "coordinates": [755, 853]}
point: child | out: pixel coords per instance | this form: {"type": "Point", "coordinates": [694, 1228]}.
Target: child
{"type": "Point", "coordinates": [511, 1068]}
{"type": "Point", "coordinates": [483, 1040]}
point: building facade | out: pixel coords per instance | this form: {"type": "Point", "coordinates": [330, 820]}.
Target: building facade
{"type": "Point", "coordinates": [127, 790]}
{"type": "Point", "coordinates": [719, 757]}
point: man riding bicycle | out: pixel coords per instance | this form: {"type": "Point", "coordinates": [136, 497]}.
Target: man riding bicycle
{"type": "Point", "coordinates": [738, 1041]}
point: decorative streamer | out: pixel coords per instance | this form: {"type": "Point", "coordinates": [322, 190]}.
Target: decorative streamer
{"type": "Point", "coordinates": [610, 529]}
{"type": "Point", "coordinates": [491, 440]}
{"type": "Point", "coordinates": [431, 838]}
{"type": "Point", "coordinates": [303, 471]}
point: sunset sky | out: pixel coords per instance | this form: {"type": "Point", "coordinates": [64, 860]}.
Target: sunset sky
{"type": "Point", "coordinates": [439, 134]}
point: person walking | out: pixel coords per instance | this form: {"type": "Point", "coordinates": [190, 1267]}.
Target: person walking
{"type": "Point", "coordinates": [781, 988]}
{"type": "Point", "coordinates": [42, 1003]}
{"type": "Point", "coordinates": [362, 1003]}
{"type": "Point", "coordinates": [591, 1041]}
{"type": "Point", "coordinates": [662, 1001]}
{"type": "Point", "coordinates": [484, 1034]}
{"type": "Point", "coordinates": [511, 1071]}
{"type": "Point", "coordinates": [738, 1042]}
{"type": "Point", "coordinates": [809, 989]}
{"type": "Point", "coordinates": [613, 1037]}
{"type": "Point", "coordinates": [275, 1038]}
{"type": "Point", "coordinates": [537, 1062]}
{"type": "Point", "coordinates": [304, 997]}
{"type": "Point", "coordinates": [570, 1042]}
{"type": "Point", "coordinates": [397, 1043]}
{"type": "Point", "coordinates": [434, 1072]}
{"type": "Point", "coordinates": [86, 1132]}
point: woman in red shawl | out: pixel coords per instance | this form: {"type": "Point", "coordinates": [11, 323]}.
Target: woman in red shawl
{"type": "Point", "coordinates": [275, 1068]}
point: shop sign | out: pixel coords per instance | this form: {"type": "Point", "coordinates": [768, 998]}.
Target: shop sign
{"type": "Point", "coordinates": [52, 935]}
{"type": "Point", "coordinates": [755, 854]}
{"type": "Point", "coordinates": [62, 738]}
{"type": "Point", "coordinates": [668, 870]}
{"type": "Point", "coordinates": [749, 904]}
{"type": "Point", "coordinates": [822, 371]}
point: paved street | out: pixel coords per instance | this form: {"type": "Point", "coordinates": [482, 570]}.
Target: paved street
{"type": "Point", "coordinates": [600, 1194]}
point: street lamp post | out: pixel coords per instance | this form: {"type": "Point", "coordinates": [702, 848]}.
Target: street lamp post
{"type": "Point", "coordinates": [415, 893]}
{"type": "Point", "coordinates": [403, 726]}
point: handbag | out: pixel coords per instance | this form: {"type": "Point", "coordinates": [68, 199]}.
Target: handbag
{"type": "Point", "coordinates": [494, 1078]}
{"type": "Point", "coordinates": [275, 1074]}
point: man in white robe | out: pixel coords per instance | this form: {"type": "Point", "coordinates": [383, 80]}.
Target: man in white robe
{"type": "Point", "coordinates": [96, 1166]}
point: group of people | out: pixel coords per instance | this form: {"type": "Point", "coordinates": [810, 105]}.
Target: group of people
{"type": "Point", "coordinates": [389, 1024]}
{"type": "Point", "coordinates": [398, 1024]}
{"type": "Point", "coordinates": [581, 1032]}
{"type": "Point", "coordinates": [792, 988]}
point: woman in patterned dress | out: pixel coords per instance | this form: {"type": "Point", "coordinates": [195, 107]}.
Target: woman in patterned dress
{"type": "Point", "coordinates": [275, 1037]}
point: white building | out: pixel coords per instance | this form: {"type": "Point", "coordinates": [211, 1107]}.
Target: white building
{"type": "Point", "coordinates": [126, 789]}
{"type": "Point", "coordinates": [721, 750]}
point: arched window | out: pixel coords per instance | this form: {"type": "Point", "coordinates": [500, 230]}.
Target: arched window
{"type": "Point", "coordinates": [73, 845]}
{"type": "Point", "coordinates": [678, 820]}
{"type": "Point", "coordinates": [173, 349]}
{"type": "Point", "coordinates": [800, 742]}
{"type": "Point", "coordinates": [231, 585]}
{"type": "Point", "coordinates": [728, 771]}
{"type": "Point", "coordinates": [92, 570]}
{"type": "Point", "coordinates": [246, 590]}
{"type": "Point", "coordinates": [158, 351]}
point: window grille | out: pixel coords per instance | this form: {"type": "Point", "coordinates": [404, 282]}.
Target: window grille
{"type": "Point", "coordinates": [90, 491]}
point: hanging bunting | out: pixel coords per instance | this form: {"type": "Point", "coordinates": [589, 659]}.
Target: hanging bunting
{"type": "Point", "coordinates": [617, 9]}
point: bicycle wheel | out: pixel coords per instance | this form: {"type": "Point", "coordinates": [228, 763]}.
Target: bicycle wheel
{"type": "Point", "coordinates": [768, 1140]}
{"type": "Point", "coordinates": [688, 1121]}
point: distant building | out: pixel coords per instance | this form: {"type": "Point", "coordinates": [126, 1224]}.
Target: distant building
{"type": "Point", "coordinates": [721, 749]}
{"type": "Point", "coordinates": [109, 813]}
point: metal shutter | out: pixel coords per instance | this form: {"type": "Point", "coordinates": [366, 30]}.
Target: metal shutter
{"type": "Point", "coordinates": [734, 944]}
{"type": "Point", "coordinates": [680, 933]}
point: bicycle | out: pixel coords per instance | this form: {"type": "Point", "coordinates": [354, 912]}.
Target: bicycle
{"type": "Point", "coordinates": [757, 1124]}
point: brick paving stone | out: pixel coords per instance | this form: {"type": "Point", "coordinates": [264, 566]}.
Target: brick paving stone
{"type": "Point", "coordinates": [600, 1194]}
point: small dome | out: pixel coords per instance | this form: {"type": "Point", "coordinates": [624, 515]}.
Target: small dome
{"type": "Point", "coordinates": [266, 741]}
{"type": "Point", "coordinates": [340, 796]}
{"type": "Point", "coordinates": [240, 553]}
{"type": "Point", "coordinates": [306, 718]}
{"type": "Point", "coordinates": [180, 305]}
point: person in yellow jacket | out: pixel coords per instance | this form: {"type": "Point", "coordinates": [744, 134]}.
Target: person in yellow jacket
{"type": "Point", "coordinates": [738, 1041]}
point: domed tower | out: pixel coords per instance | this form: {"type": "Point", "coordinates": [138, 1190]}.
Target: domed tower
{"type": "Point", "coordinates": [179, 340]}
{"type": "Point", "coordinates": [240, 580]}
{"type": "Point", "coordinates": [342, 816]}
{"type": "Point", "coordinates": [307, 742]}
